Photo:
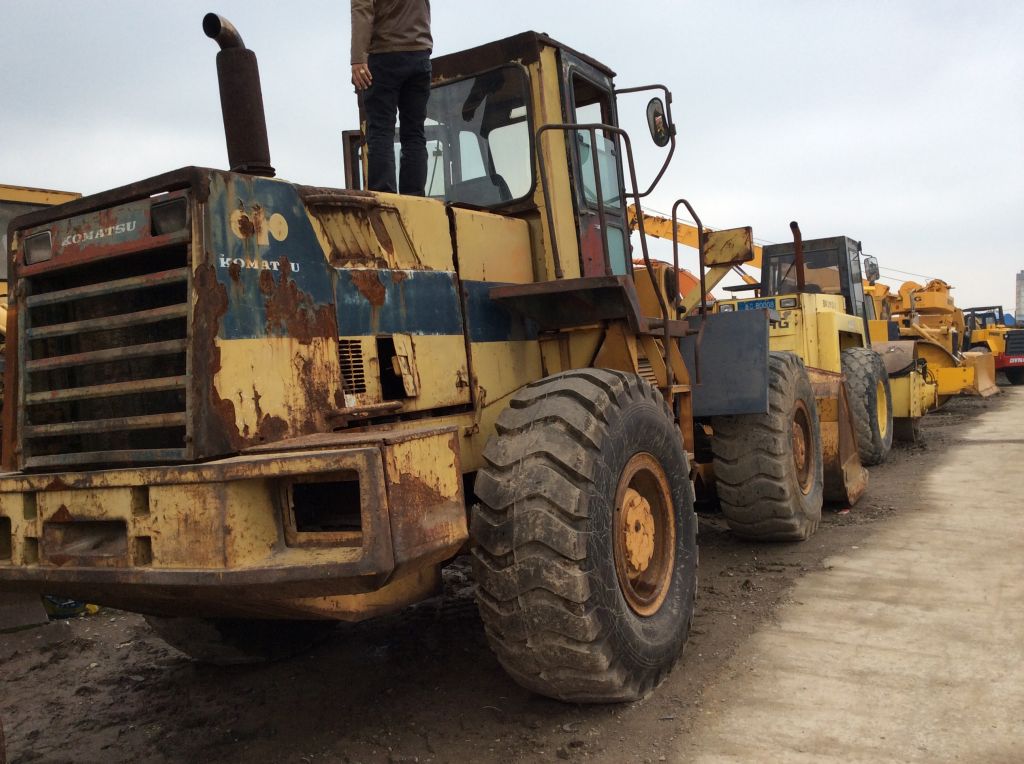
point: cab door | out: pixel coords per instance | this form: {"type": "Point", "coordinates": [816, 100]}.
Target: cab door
{"type": "Point", "coordinates": [597, 174]}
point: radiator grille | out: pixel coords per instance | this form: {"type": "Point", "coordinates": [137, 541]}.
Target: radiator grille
{"type": "Point", "coordinates": [1015, 342]}
{"type": "Point", "coordinates": [353, 375]}
{"type": "Point", "coordinates": [105, 362]}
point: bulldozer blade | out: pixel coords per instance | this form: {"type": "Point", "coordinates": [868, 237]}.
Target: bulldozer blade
{"type": "Point", "coordinates": [984, 374]}
{"type": "Point", "coordinates": [20, 611]}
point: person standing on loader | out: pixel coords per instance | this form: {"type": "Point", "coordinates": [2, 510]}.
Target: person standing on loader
{"type": "Point", "coordinates": [391, 47]}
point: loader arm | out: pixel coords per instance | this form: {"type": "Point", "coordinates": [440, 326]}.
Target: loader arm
{"type": "Point", "coordinates": [661, 227]}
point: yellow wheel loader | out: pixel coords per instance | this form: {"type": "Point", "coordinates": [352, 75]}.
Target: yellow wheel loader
{"type": "Point", "coordinates": [830, 406]}
{"type": "Point", "coordinates": [829, 388]}
{"type": "Point", "coordinates": [248, 408]}
{"type": "Point", "coordinates": [989, 330]}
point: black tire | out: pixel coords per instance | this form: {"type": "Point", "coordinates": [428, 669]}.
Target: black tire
{"type": "Point", "coordinates": [546, 554]}
{"type": "Point", "coordinates": [1014, 376]}
{"type": "Point", "coordinates": [867, 386]}
{"type": "Point", "coordinates": [236, 641]}
{"type": "Point", "coordinates": [768, 467]}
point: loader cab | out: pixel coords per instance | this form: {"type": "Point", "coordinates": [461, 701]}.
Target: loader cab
{"type": "Point", "coordinates": [990, 317]}
{"type": "Point", "coordinates": [831, 266]}
{"type": "Point", "coordinates": [500, 138]}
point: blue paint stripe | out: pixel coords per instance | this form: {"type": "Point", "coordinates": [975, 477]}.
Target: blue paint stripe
{"type": "Point", "coordinates": [408, 302]}
{"type": "Point", "coordinates": [490, 321]}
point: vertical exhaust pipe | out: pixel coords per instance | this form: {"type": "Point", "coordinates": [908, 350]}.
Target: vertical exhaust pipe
{"type": "Point", "coordinates": [241, 99]}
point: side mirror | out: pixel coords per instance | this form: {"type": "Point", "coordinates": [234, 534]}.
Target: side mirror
{"type": "Point", "coordinates": [871, 269]}
{"type": "Point", "coordinates": [661, 129]}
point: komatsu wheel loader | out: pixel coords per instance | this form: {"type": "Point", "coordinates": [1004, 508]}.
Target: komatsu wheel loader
{"type": "Point", "coordinates": [247, 407]}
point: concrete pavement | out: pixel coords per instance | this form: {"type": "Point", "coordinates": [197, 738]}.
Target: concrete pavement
{"type": "Point", "coordinates": [909, 648]}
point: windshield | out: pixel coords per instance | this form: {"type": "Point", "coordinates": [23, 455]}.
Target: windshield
{"type": "Point", "coordinates": [821, 274]}
{"type": "Point", "coordinates": [478, 139]}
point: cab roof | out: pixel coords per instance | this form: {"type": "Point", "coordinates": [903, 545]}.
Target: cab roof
{"type": "Point", "coordinates": [523, 48]}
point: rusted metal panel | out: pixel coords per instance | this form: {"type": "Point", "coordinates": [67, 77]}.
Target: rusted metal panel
{"type": "Point", "coordinates": [216, 529]}
{"type": "Point", "coordinates": [424, 483]}
{"type": "Point", "coordinates": [265, 287]}
{"type": "Point", "coordinates": [107, 233]}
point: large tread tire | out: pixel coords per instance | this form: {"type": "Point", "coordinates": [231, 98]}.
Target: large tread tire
{"type": "Point", "coordinates": [1014, 376]}
{"type": "Point", "coordinates": [542, 538]}
{"type": "Point", "coordinates": [865, 374]}
{"type": "Point", "coordinates": [763, 493]}
{"type": "Point", "coordinates": [231, 641]}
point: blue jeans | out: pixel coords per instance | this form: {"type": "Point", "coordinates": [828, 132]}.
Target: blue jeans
{"type": "Point", "coordinates": [401, 82]}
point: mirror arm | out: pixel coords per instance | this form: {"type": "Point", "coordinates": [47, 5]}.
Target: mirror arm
{"type": "Point", "coordinates": [671, 126]}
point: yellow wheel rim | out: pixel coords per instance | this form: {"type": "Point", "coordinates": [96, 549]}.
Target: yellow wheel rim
{"type": "Point", "coordinates": [644, 533]}
{"type": "Point", "coordinates": [882, 408]}
{"type": "Point", "coordinates": [803, 453]}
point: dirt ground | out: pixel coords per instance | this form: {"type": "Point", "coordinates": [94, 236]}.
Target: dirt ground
{"type": "Point", "coordinates": [422, 687]}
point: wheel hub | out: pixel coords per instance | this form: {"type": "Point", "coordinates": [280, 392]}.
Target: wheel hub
{"type": "Point", "coordinates": [644, 534]}
{"type": "Point", "coordinates": [639, 530]}
{"type": "Point", "coordinates": [803, 457]}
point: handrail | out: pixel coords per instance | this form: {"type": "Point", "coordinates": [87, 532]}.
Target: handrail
{"type": "Point", "coordinates": [622, 135]}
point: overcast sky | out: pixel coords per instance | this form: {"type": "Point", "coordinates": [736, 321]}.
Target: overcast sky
{"type": "Point", "coordinates": [897, 123]}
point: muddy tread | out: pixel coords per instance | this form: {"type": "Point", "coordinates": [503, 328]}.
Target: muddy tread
{"type": "Point", "coordinates": [862, 367]}
{"type": "Point", "coordinates": [536, 587]}
{"type": "Point", "coordinates": [754, 473]}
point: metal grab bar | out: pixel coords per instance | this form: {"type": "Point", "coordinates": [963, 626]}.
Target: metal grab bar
{"type": "Point", "coordinates": [622, 135]}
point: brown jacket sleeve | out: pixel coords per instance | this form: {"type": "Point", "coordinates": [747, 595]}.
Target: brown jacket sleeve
{"type": "Point", "coordinates": [362, 29]}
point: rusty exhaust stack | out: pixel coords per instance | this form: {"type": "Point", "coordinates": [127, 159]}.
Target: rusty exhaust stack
{"type": "Point", "coordinates": [241, 99]}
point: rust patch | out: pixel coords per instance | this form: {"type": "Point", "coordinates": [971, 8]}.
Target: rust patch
{"type": "Point", "coordinates": [397, 277]}
{"type": "Point", "coordinates": [292, 312]}
{"type": "Point", "coordinates": [235, 271]}
{"type": "Point", "coordinates": [369, 285]}
{"type": "Point", "coordinates": [217, 431]}
{"type": "Point", "coordinates": [316, 388]}
{"type": "Point", "coordinates": [271, 428]}
{"type": "Point", "coordinates": [246, 227]}
{"type": "Point", "coordinates": [340, 259]}
{"type": "Point", "coordinates": [416, 494]}
{"type": "Point", "coordinates": [256, 403]}
{"type": "Point", "coordinates": [56, 485]}
{"type": "Point", "coordinates": [62, 515]}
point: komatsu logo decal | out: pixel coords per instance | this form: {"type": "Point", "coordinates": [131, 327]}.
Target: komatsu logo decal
{"type": "Point", "coordinates": [253, 263]}
{"type": "Point", "coordinates": [98, 233]}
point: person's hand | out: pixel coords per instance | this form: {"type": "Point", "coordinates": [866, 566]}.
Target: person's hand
{"type": "Point", "coordinates": [361, 76]}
